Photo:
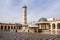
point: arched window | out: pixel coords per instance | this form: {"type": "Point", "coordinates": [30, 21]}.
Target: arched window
{"type": "Point", "coordinates": [58, 25]}
{"type": "Point", "coordinates": [53, 26]}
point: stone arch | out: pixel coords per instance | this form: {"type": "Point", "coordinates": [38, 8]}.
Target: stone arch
{"type": "Point", "coordinates": [11, 27]}
{"type": "Point", "coordinates": [14, 27]}
{"type": "Point", "coordinates": [53, 26]}
{"type": "Point", "coordinates": [8, 27]}
{"type": "Point", "coordinates": [58, 25]}
{"type": "Point", "coordinates": [1, 27]}
{"type": "Point", "coordinates": [20, 27]}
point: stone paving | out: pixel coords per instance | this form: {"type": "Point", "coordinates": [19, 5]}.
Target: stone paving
{"type": "Point", "coordinates": [7, 35]}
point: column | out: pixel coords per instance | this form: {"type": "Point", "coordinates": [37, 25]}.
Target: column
{"type": "Point", "coordinates": [10, 27]}
{"type": "Point", "coordinates": [13, 28]}
{"type": "Point", "coordinates": [51, 28]}
{"type": "Point", "coordinates": [39, 26]}
{"type": "Point", "coordinates": [0, 27]}
{"type": "Point", "coordinates": [3, 27]}
{"type": "Point", "coordinates": [37, 30]}
{"type": "Point", "coordinates": [7, 27]}
{"type": "Point", "coordinates": [16, 28]}
{"type": "Point", "coordinates": [46, 26]}
{"type": "Point", "coordinates": [56, 28]}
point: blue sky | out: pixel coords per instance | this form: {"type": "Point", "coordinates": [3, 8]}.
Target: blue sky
{"type": "Point", "coordinates": [11, 10]}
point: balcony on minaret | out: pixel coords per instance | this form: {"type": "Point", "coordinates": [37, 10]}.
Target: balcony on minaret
{"type": "Point", "coordinates": [24, 7]}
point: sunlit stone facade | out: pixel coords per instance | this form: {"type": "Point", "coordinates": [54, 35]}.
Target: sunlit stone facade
{"type": "Point", "coordinates": [10, 27]}
{"type": "Point", "coordinates": [52, 26]}
{"type": "Point", "coordinates": [43, 25]}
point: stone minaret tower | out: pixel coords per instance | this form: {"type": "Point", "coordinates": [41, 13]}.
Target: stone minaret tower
{"type": "Point", "coordinates": [24, 15]}
{"type": "Point", "coordinates": [25, 25]}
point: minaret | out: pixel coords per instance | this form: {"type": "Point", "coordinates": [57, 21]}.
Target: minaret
{"type": "Point", "coordinates": [24, 15]}
{"type": "Point", "coordinates": [25, 25]}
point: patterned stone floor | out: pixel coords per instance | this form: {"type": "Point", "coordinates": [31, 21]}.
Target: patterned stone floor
{"type": "Point", "coordinates": [6, 35]}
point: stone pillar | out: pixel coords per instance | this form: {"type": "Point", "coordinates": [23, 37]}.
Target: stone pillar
{"type": "Point", "coordinates": [7, 27]}
{"type": "Point", "coordinates": [56, 28]}
{"type": "Point", "coordinates": [37, 30]}
{"type": "Point", "coordinates": [47, 26]}
{"type": "Point", "coordinates": [0, 27]}
{"type": "Point", "coordinates": [3, 27]}
{"type": "Point", "coordinates": [44, 26]}
{"type": "Point", "coordinates": [13, 27]}
{"type": "Point", "coordinates": [51, 28]}
{"type": "Point", "coordinates": [10, 27]}
{"type": "Point", "coordinates": [39, 26]}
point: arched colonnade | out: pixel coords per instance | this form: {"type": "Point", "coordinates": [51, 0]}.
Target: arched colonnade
{"type": "Point", "coordinates": [9, 27]}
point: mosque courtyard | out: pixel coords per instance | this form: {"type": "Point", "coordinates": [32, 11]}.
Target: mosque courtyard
{"type": "Point", "coordinates": [7, 35]}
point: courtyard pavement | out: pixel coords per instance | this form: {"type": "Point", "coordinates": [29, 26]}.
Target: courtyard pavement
{"type": "Point", "coordinates": [7, 35]}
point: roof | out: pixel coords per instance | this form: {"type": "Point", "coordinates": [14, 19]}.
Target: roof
{"type": "Point", "coordinates": [32, 25]}
{"type": "Point", "coordinates": [24, 6]}
{"type": "Point", "coordinates": [42, 19]}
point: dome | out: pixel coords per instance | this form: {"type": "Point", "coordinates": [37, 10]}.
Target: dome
{"type": "Point", "coordinates": [42, 19]}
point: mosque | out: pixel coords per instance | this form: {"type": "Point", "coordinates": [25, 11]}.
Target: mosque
{"type": "Point", "coordinates": [43, 25]}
